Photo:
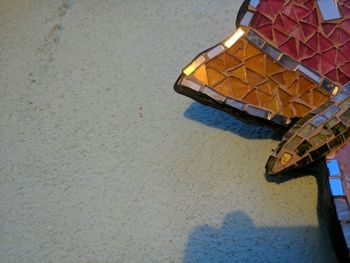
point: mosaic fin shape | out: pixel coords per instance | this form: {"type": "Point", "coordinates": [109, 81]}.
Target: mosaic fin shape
{"type": "Point", "coordinates": [287, 65]}
{"type": "Point", "coordinates": [255, 78]}
{"type": "Point", "coordinates": [313, 137]}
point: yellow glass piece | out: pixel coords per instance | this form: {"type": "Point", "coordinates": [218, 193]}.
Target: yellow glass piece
{"type": "Point", "coordinates": [257, 64]}
{"type": "Point", "coordinates": [272, 67]}
{"type": "Point", "coordinates": [287, 110]}
{"type": "Point", "coordinates": [239, 89]}
{"type": "Point", "coordinates": [300, 110]}
{"type": "Point", "coordinates": [306, 97]}
{"type": "Point", "coordinates": [293, 88]}
{"type": "Point", "coordinates": [253, 78]}
{"type": "Point", "coordinates": [230, 61]}
{"type": "Point", "coordinates": [266, 88]}
{"type": "Point", "coordinates": [239, 73]}
{"type": "Point", "coordinates": [284, 97]}
{"type": "Point", "coordinates": [285, 158]}
{"type": "Point", "coordinates": [234, 38]}
{"type": "Point", "coordinates": [217, 63]}
{"type": "Point", "coordinates": [273, 105]}
{"type": "Point", "coordinates": [238, 50]}
{"type": "Point", "coordinates": [318, 97]}
{"type": "Point", "coordinates": [304, 84]}
{"type": "Point", "coordinates": [335, 91]}
{"type": "Point", "coordinates": [251, 51]}
{"type": "Point", "coordinates": [280, 78]}
{"type": "Point", "coordinates": [201, 75]}
{"type": "Point", "coordinates": [290, 77]}
{"type": "Point", "coordinates": [224, 88]}
{"type": "Point", "coordinates": [252, 98]}
{"type": "Point", "coordinates": [263, 98]}
{"type": "Point", "coordinates": [194, 65]}
{"type": "Point", "coordinates": [214, 76]}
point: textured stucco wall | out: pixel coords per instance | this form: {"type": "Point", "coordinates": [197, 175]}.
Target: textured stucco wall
{"type": "Point", "coordinates": [102, 162]}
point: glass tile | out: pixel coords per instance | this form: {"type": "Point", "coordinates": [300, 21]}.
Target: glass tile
{"type": "Point", "coordinates": [309, 73]}
{"type": "Point", "coordinates": [331, 111]}
{"type": "Point", "coordinates": [214, 76]}
{"type": "Point", "coordinates": [235, 104]}
{"type": "Point", "coordinates": [333, 168]}
{"type": "Point", "coordinates": [247, 18]}
{"type": "Point", "coordinates": [307, 130]}
{"type": "Point", "coordinates": [256, 39]}
{"type": "Point", "coordinates": [319, 152]}
{"type": "Point", "coordinates": [201, 75]}
{"type": "Point", "coordinates": [257, 64]}
{"type": "Point", "coordinates": [336, 142]}
{"type": "Point", "coordinates": [213, 94]}
{"type": "Point", "coordinates": [303, 148]}
{"type": "Point", "coordinates": [293, 143]}
{"type": "Point", "coordinates": [215, 51]}
{"type": "Point", "coordinates": [303, 120]}
{"type": "Point", "coordinates": [342, 208]}
{"type": "Point", "coordinates": [339, 128]}
{"type": "Point", "coordinates": [279, 119]}
{"type": "Point", "coordinates": [258, 112]}
{"type": "Point", "coordinates": [318, 120]}
{"type": "Point", "coordinates": [254, 3]}
{"type": "Point", "coordinates": [301, 109]}
{"type": "Point", "coordinates": [346, 134]}
{"type": "Point", "coordinates": [318, 97]}
{"type": "Point", "coordinates": [336, 187]}
{"type": "Point", "coordinates": [345, 104]}
{"type": "Point", "coordinates": [285, 158]}
{"type": "Point", "coordinates": [331, 123]}
{"type": "Point", "coordinates": [346, 232]}
{"type": "Point", "coordinates": [346, 88]}
{"type": "Point", "coordinates": [194, 65]}
{"type": "Point", "coordinates": [272, 52]}
{"type": "Point", "coordinates": [289, 62]}
{"type": "Point", "coordinates": [190, 84]}
{"type": "Point", "coordinates": [306, 160]}
{"type": "Point", "coordinates": [321, 137]}
{"type": "Point", "coordinates": [340, 96]}
{"type": "Point", "coordinates": [273, 105]}
{"type": "Point", "coordinates": [329, 9]}
{"type": "Point", "coordinates": [328, 86]}
{"type": "Point", "coordinates": [323, 107]}
{"type": "Point", "coordinates": [345, 117]}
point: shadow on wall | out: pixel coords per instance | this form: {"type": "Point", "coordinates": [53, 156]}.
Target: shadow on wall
{"type": "Point", "coordinates": [218, 119]}
{"type": "Point", "coordinates": [240, 240]}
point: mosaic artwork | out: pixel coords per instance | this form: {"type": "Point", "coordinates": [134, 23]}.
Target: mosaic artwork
{"type": "Point", "coordinates": [287, 65]}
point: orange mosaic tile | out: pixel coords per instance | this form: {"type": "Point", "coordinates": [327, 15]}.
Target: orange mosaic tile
{"type": "Point", "coordinates": [243, 72]}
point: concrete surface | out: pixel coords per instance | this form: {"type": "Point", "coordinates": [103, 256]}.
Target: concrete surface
{"type": "Point", "coordinates": [102, 162]}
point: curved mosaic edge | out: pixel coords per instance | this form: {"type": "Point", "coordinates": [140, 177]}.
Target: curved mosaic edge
{"type": "Point", "coordinates": [314, 136]}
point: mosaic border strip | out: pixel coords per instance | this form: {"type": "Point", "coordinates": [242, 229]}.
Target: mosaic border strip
{"type": "Point", "coordinates": [339, 198]}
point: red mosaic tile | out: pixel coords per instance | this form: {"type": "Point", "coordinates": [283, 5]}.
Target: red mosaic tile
{"type": "Point", "coordinates": [299, 30]}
